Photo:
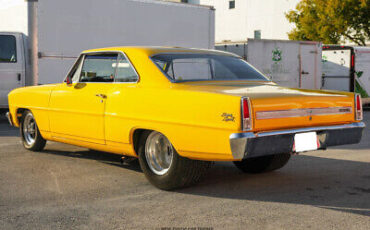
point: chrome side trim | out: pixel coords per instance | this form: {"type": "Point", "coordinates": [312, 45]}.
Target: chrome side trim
{"type": "Point", "coordinates": [9, 117]}
{"type": "Point", "coordinates": [238, 141]}
{"type": "Point", "coordinates": [302, 112]}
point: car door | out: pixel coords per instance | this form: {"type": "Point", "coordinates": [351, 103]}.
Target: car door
{"type": "Point", "coordinates": [12, 65]}
{"type": "Point", "coordinates": [77, 109]}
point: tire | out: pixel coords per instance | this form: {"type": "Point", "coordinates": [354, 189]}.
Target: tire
{"type": "Point", "coordinates": [30, 133]}
{"type": "Point", "coordinates": [176, 173]}
{"type": "Point", "coordinates": [263, 164]}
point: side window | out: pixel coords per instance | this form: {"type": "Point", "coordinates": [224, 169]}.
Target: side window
{"type": "Point", "coordinates": [125, 72]}
{"type": "Point", "coordinates": [8, 49]}
{"type": "Point", "coordinates": [99, 68]}
{"type": "Point", "coordinates": [76, 69]}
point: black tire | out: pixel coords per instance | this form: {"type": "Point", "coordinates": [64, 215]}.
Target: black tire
{"type": "Point", "coordinates": [263, 164]}
{"type": "Point", "coordinates": [182, 172]}
{"type": "Point", "coordinates": [38, 142]}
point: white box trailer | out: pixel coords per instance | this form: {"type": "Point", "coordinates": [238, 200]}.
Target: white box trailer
{"type": "Point", "coordinates": [51, 33]}
{"type": "Point", "coordinates": [346, 68]}
{"type": "Point", "coordinates": [289, 63]}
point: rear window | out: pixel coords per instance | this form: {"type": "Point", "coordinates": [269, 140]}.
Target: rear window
{"type": "Point", "coordinates": [8, 49]}
{"type": "Point", "coordinates": [206, 67]}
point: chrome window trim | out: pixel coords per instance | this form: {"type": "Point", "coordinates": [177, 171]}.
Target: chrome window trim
{"type": "Point", "coordinates": [276, 114]}
{"type": "Point", "coordinates": [226, 54]}
{"type": "Point", "coordinates": [102, 52]}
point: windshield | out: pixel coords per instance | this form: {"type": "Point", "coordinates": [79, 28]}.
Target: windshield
{"type": "Point", "coordinates": [210, 67]}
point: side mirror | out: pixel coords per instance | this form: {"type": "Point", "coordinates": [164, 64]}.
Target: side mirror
{"type": "Point", "coordinates": [69, 80]}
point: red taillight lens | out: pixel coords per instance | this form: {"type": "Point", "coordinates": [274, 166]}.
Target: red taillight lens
{"type": "Point", "coordinates": [246, 113]}
{"type": "Point", "coordinates": [358, 106]}
{"type": "Point", "coordinates": [245, 108]}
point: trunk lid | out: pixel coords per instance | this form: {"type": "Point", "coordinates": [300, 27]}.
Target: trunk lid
{"type": "Point", "coordinates": [275, 107]}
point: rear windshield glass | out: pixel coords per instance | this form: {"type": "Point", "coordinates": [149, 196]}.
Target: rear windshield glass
{"type": "Point", "coordinates": [206, 67]}
{"type": "Point", "coordinates": [8, 51]}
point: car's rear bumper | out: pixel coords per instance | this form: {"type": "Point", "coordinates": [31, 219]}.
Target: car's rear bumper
{"type": "Point", "coordinates": [249, 144]}
{"type": "Point", "coordinates": [9, 117]}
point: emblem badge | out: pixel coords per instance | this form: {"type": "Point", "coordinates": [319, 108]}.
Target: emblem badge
{"type": "Point", "coordinates": [228, 117]}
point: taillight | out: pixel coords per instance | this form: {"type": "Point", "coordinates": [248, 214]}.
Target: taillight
{"type": "Point", "coordinates": [246, 114]}
{"type": "Point", "coordinates": [358, 107]}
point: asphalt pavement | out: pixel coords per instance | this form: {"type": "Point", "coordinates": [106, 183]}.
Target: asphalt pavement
{"type": "Point", "coordinates": [67, 187]}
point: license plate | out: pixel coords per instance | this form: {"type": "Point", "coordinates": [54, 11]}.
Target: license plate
{"type": "Point", "coordinates": [305, 142]}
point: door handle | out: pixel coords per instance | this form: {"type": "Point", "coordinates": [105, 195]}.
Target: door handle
{"type": "Point", "coordinates": [101, 95]}
{"type": "Point", "coordinates": [19, 76]}
{"type": "Point", "coordinates": [303, 72]}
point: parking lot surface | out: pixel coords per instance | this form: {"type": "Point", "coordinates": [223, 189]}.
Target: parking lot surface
{"type": "Point", "coordinates": [67, 187]}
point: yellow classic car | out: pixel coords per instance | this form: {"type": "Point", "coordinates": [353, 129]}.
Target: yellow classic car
{"type": "Point", "coordinates": [177, 110]}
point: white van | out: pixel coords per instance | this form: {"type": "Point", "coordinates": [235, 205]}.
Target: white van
{"type": "Point", "coordinates": [12, 64]}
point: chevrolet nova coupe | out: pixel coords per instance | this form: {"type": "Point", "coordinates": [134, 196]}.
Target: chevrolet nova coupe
{"type": "Point", "coordinates": [177, 110]}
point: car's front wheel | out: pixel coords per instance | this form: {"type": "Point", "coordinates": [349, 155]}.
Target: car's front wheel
{"type": "Point", "coordinates": [263, 164]}
{"type": "Point", "coordinates": [163, 166]}
{"type": "Point", "coordinates": [30, 133]}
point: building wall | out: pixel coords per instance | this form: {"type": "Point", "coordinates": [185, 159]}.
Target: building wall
{"type": "Point", "coordinates": [13, 16]}
{"type": "Point", "coordinates": [269, 17]}
{"type": "Point", "coordinates": [249, 15]}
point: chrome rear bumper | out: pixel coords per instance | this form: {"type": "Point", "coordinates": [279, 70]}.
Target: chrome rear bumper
{"type": "Point", "coordinates": [9, 117]}
{"type": "Point", "coordinates": [247, 145]}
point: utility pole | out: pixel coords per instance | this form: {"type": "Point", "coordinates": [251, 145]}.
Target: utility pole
{"type": "Point", "coordinates": [32, 6]}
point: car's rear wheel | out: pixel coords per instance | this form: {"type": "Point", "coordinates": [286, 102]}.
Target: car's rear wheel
{"type": "Point", "coordinates": [30, 133]}
{"type": "Point", "coordinates": [163, 166]}
{"type": "Point", "coordinates": [263, 164]}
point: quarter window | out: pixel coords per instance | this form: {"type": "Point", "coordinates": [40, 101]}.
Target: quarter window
{"type": "Point", "coordinates": [125, 72]}
{"type": "Point", "coordinates": [99, 68]}
{"type": "Point", "coordinates": [8, 48]}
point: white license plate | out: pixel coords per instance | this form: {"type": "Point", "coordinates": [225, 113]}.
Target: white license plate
{"type": "Point", "coordinates": [305, 142]}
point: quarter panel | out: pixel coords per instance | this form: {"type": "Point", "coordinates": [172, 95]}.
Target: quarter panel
{"type": "Point", "coordinates": [192, 121]}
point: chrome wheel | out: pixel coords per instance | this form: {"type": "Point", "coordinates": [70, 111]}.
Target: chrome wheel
{"type": "Point", "coordinates": [29, 129]}
{"type": "Point", "coordinates": [158, 153]}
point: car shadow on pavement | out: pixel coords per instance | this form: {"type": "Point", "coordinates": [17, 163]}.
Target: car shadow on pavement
{"type": "Point", "coordinates": [6, 130]}
{"type": "Point", "coordinates": [340, 185]}
{"type": "Point", "coordinates": [333, 184]}
{"type": "Point", "coordinates": [103, 157]}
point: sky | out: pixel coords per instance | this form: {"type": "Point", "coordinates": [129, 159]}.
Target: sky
{"type": "Point", "coordinates": [9, 3]}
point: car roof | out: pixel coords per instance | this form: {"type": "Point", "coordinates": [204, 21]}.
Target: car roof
{"type": "Point", "coordinates": [152, 50]}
